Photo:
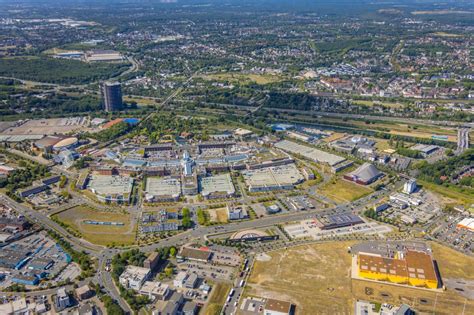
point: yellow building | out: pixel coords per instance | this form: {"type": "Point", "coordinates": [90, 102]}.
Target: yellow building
{"type": "Point", "coordinates": [411, 268]}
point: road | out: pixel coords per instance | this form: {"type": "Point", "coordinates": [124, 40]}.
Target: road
{"type": "Point", "coordinates": [463, 140]}
{"type": "Point", "coordinates": [200, 232]}
{"type": "Point", "coordinates": [403, 120]}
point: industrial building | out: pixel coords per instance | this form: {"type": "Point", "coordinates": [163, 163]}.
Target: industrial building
{"type": "Point", "coordinates": [273, 178]}
{"type": "Point", "coordinates": [366, 174]}
{"type": "Point", "coordinates": [466, 223]}
{"type": "Point", "coordinates": [133, 277]}
{"type": "Point", "coordinates": [100, 55]}
{"type": "Point", "coordinates": [310, 153]}
{"type": "Point", "coordinates": [415, 268]}
{"type": "Point", "coordinates": [218, 186]}
{"type": "Point", "coordinates": [404, 199]}
{"type": "Point", "coordinates": [162, 189]}
{"type": "Point", "coordinates": [111, 93]}
{"type": "Point", "coordinates": [32, 190]}
{"type": "Point", "coordinates": [425, 150]}
{"type": "Point", "coordinates": [111, 188]}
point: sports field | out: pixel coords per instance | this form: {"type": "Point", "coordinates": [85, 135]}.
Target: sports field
{"type": "Point", "coordinates": [342, 190]}
{"type": "Point", "coordinates": [99, 234]}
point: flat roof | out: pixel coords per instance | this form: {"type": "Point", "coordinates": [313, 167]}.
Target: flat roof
{"type": "Point", "coordinates": [273, 176]}
{"type": "Point", "coordinates": [309, 152]}
{"type": "Point", "coordinates": [193, 253]}
{"type": "Point", "coordinates": [167, 186]}
{"type": "Point", "coordinates": [110, 184]}
{"type": "Point", "coordinates": [217, 183]}
{"type": "Point", "coordinates": [278, 306]}
{"type": "Point", "coordinates": [413, 264]}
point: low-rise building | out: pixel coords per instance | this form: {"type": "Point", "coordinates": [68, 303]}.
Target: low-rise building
{"type": "Point", "coordinates": [236, 212]}
{"type": "Point", "coordinates": [277, 307]}
{"type": "Point", "coordinates": [133, 277]}
{"type": "Point", "coordinates": [84, 292]}
{"type": "Point", "coordinates": [156, 289]}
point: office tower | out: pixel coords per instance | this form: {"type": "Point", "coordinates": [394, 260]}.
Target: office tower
{"type": "Point", "coordinates": [111, 93]}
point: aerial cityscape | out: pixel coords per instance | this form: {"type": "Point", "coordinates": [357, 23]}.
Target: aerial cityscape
{"type": "Point", "coordinates": [236, 157]}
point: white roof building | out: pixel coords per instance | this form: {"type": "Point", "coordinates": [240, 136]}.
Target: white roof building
{"type": "Point", "coordinates": [133, 277]}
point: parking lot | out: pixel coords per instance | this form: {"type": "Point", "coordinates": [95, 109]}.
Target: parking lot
{"type": "Point", "coordinates": [308, 228]}
{"type": "Point", "coordinates": [207, 271]}
{"type": "Point", "coordinates": [460, 239]}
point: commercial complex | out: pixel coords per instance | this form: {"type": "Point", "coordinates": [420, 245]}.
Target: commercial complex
{"type": "Point", "coordinates": [364, 175]}
{"type": "Point", "coordinates": [162, 189]}
{"type": "Point", "coordinates": [310, 153]}
{"type": "Point", "coordinates": [396, 262]}
{"type": "Point", "coordinates": [272, 178]}
{"type": "Point", "coordinates": [410, 267]}
{"type": "Point", "coordinates": [111, 188]}
{"type": "Point", "coordinates": [111, 93]}
{"type": "Point", "coordinates": [217, 186]}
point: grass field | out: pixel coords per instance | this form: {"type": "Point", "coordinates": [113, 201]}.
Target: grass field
{"type": "Point", "coordinates": [218, 215]}
{"type": "Point", "coordinates": [217, 299]}
{"type": "Point", "coordinates": [454, 195]}
{"type": "Point", "coordinates": [335, 136]}
{"type": "Point", "coordinates": [314, 277]}
{"type": "Point", "coordinates": [99, 234]}
{"type": "Point", "coordinates": [372, 103]}
{"type": "Point", "coordinates": [342, 190]}
{"type": "Point", "coordinates": [241, 77]}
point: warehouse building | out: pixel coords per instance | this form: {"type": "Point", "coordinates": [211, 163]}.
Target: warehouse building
{"type": "Point", "coordinates": [425, 150]}
{"type": "Point", "coordinates": [466, 223]}
{"type": "Point", "coordinates": [364, 175]}
{"type": "Point", "coordinates": [310, 153]}
{"type": "Point", "coordinates": [409, 267]}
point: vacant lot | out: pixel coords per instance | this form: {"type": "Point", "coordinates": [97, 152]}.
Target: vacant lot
{"type": "Point", "coordinates": [317, 279]}
{"type": "Point", "coordinates": [99, 234]}
{"type": "Point", "coordinates": [314, 277]}
{"type": "Point", "coordinates": [452, 265]}
{"type": "Point", "coordinates": [217, 299]}
{"type": "Point", "coordinates": [218, 215]}
{"type": "Point", "coordinates": [243, 78]}
{"type": "Point", "coordinates": [451, 194]}
{"type": "Point", "coordinates": [342, 190]}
